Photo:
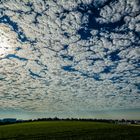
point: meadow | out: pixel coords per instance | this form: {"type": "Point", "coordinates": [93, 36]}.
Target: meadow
{"type": "Point", "coordinates": [69, 130]}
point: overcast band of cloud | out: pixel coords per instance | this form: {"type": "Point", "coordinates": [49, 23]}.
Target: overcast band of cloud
{"type": "Point", "coordinates": [69, 56]}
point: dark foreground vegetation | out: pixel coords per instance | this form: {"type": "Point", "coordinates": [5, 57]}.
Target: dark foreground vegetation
{"type": "Point", "coordinates": [6, 121]}
{"type": "Point", "coordinates": [69, 130]}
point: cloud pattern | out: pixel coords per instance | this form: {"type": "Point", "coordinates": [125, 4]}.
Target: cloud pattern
{"type": "Point", "coordinates": [69, 56]}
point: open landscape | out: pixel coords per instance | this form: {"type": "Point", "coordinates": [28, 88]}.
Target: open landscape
{"type": "Point", "coordinates": [69, 130]}
{"type": "Point", "coordinates": [69, 69]}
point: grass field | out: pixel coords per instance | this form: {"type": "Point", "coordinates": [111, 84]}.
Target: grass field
{"type": "Point", "coordinates": [69, 130]}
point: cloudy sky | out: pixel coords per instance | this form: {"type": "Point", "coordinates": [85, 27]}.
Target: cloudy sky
{"type": "Point", "coordinates": [70, 58]}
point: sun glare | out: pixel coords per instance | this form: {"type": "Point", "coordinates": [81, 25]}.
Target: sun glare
{"type": "Point", "coordinates": [7, 41]}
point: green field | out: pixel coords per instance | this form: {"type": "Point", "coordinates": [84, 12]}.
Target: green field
{"type": "Point", "coordinates": [69, 130]}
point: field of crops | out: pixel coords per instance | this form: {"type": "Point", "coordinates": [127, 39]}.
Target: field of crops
{"type": "Point", "coordinates": [68, 130]}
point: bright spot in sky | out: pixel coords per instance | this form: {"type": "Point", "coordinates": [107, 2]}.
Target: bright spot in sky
{"type": "Point", "coordinates": [7, 41]}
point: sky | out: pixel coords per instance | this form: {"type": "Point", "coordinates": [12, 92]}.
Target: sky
{"type": "Point", "coordinates": [70, 58]}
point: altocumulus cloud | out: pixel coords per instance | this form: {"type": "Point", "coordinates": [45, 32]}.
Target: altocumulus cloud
{"type": "Point", "coordinates": [69, 56]}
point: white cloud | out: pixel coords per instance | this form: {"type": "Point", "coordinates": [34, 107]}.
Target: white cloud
{"type": "Point", "coordinates": [35, 78]}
